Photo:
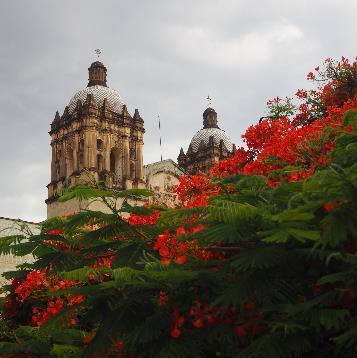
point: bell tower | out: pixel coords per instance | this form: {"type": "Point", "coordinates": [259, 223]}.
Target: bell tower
{"type": "Point", "coordinates": [97, 74]}
{"type": "Point", "coordinates": [208, 146]}
{"type": "Point", "coordinates": [95, 139]}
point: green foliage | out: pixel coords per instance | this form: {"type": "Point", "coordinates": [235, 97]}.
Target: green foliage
{"type": "Point", "coordinates": [290, 250]}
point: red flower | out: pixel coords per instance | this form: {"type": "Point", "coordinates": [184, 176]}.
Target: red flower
{"type": "Point", "coordinates": [310, 76]}
{"type": "Point", "coordinates": [240, 331]}
{"type": "Point", "coordinates": [181, 259]}
{"type": "Point", "coordinates": [118, 345]}
{"type": "Point", "coordinates": [249, 306]}
{"type": "Point", "coordinates": [163, 299]}
{"type": "Point", "coordinates": [165, 261]}
{"type": "Point", "coordinates": [328, 207]}
{"type": "Point", "coordinates": [180, 321]}
{"type": "Point", "coordinates": [164, 251]}
{"type": "Point", "coordinates": [198, 323]}
{"type": "Point", "coordinates": [55, 232]}
{"type": "Point", "coordinates": [256, 329]}
{"type": "Point", "coordinates": [175, 332]}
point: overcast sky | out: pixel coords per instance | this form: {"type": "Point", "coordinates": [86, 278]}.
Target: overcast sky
{"type": "Point", "coordinates": [164, 57]}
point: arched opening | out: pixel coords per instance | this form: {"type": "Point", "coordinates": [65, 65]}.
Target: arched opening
{"type": "Point", "coordinates": [116, 166]}
{"type": "Point", "coordinates": [99, 144]}
{"type": "Point", "coordinates": [69, 161]}
{"type": "Point", "coordinates": [99, 163]}
{"type": "Point", "coordinates": [132, 169]}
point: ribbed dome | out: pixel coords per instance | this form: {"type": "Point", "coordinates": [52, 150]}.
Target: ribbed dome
{"type": "Point", "coordinates": [99, 93]}
{"type": "Point", "coordinates": [205, 133]}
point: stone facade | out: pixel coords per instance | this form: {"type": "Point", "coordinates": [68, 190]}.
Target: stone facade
{"type": "Point", "coordinates": [208, 146]}
{"type": "Point", "coordinates": [95, 139]}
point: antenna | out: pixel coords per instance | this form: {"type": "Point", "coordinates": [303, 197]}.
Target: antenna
{"type": "Point", "coordinates": [209, 101]}
{"type": "Point", "coordinates": [158, 117]}
{"type": "Point", "coordinates": [98, 52]}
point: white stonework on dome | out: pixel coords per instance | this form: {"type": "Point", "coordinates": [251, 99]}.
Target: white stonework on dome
{"type": "Point", "coordinates": [99, 93]}
{"type": "Point", "coordinates": [205, 133]}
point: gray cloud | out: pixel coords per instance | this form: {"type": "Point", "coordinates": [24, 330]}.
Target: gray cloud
{"type": "Point", "coordinates": [164, 57]}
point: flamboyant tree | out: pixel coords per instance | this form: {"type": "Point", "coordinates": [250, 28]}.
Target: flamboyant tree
{"type": "Point", "coordinates": [258, 260]}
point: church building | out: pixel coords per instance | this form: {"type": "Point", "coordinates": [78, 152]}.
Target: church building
{"type": "Point", "coordinates": [96, 138]}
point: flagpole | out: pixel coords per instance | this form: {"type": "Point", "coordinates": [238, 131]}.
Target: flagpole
{"type": "Point", "coordinates": [158, 117]}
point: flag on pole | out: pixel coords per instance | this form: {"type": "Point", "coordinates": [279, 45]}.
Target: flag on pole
{"type": "Point", "coordinates": [158, 117]}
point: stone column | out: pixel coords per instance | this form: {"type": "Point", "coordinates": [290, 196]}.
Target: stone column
{"type": "Point", "coordinates": [75, 153]}
{"type": "Point", "coordinates": [139, 160]}
{"type": "Point", "coordinates": [86, 151]}
{"type": "Point", "coordinates": [126, 153]}
{"type": "Point", "coordinates": [63, 159]}
{"type": "Point", "coordinates": [92, 149]}
{"type": "Point", "coordinates": [106, 152]}
{"type": "Point", "coordinates": [128, 183]}
{"type": "Point", "coordinates": [53, 163]}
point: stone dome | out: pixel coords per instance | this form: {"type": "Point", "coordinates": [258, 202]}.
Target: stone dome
{"type": "Point", "coordinates": [204, 135]}
{"type": "Point", "coordinates": [99, 93]}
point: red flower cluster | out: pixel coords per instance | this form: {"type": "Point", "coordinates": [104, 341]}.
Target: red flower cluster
{"type": "Point", "coordinates": [328, 207]}
{"type": "Point", "coordinates": [250, 321]}
{"type": "Point", "coordinates": [275, 144]}
{"type": "Point", "coordinates": [202, 315]}
{"type": "Point", "coordinates": [173, 248]}
{"type": "Point", "coordinates": [103, 262]}
{"type": "Point", "coordinates": [303, 141]}
{"type": "Point", "coordinates": [40, 316]}
{"type": "Point", "coordinates": [37, 284]}
{"type": "Point", "coordinates": [163, 298]}
{"type": "Point", "coordinates": [178, 321]}
{"type": "Point", "coordinates": [58, 244]}
{"type": "Point", "coordinates": [194, 190]}
{"type": "Point", "coordinates": [140, 220]}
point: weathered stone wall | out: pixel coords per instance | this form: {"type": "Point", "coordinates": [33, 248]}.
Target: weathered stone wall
{"type": "Point", "coordinates": [161, 178]}
{"type": "Point", "coordinates": [162, 184]}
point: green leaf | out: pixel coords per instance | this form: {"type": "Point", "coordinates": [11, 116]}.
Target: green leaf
{"type": "Point", "coordinates": [83, 192]}
{"type": "Point", "coordinates": [65, 350]}
{"type": "Point", "coordinates": [350, 117]}
{"type": "Point", "coordinates": [134, 193]}
{"type": "Point", "coordinates": [329, 318]}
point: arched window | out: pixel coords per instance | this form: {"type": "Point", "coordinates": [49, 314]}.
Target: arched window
{"type": "Point", "coordinates": [99, 144]}
{"type": "Point", "coordinates": [116, 167]}
{"type": "Point", "coordinates": [99, 163]}
{"type": "Point", "coordinates": [69, 161]}
{"type": "Point", "coordinates": [81, 153]}
{"type": "Point", "coordinates": [132, 169]}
